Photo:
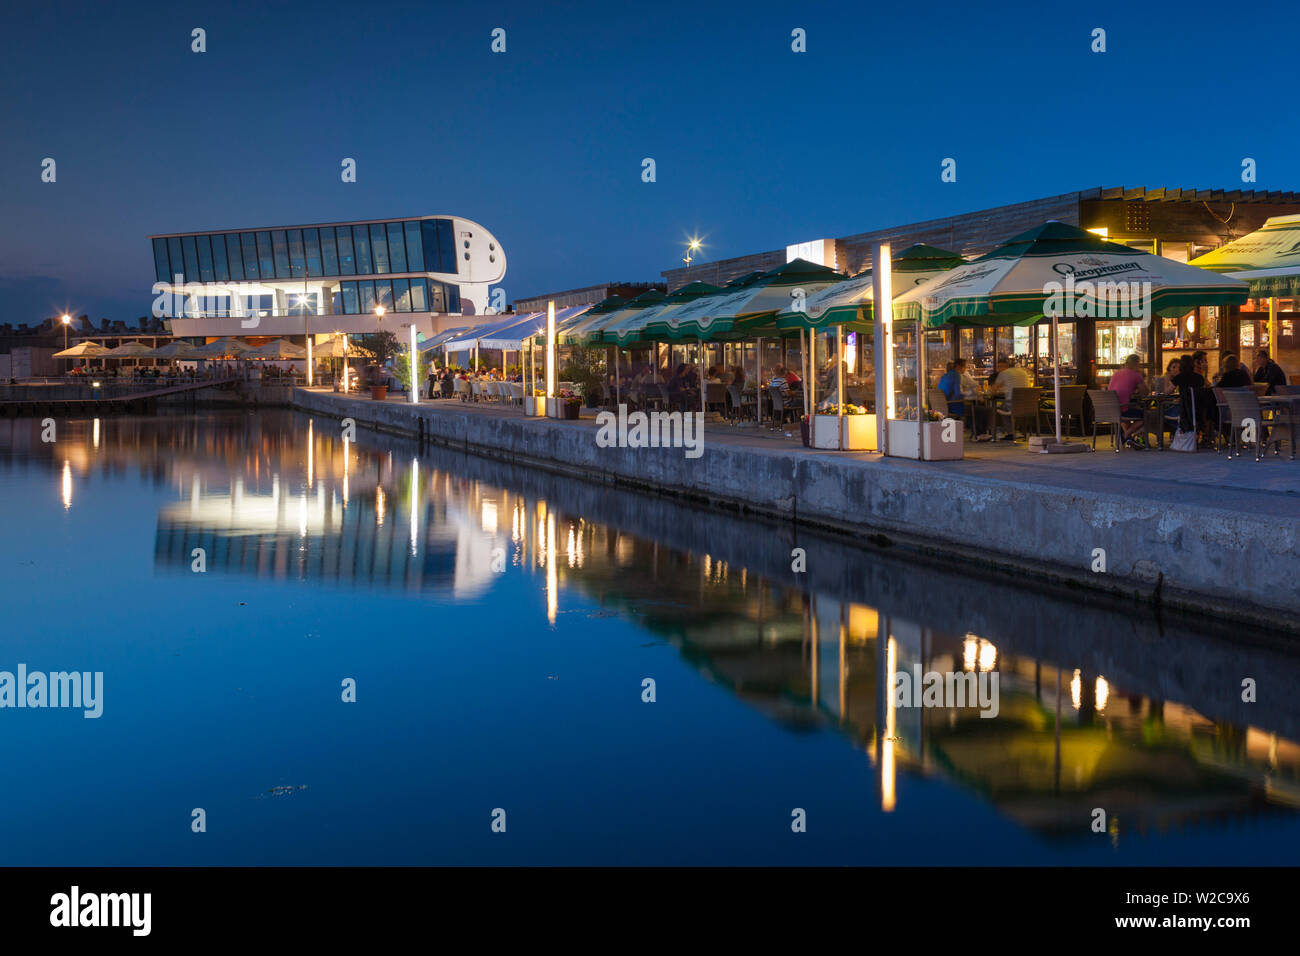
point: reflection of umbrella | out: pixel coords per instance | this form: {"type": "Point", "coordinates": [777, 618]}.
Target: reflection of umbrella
{"type": "Point", "coordinates": [333, 348]}
{"type": "Point", "coordinates": [83, 350]}
{"type": "Point", "coordinates": [175, 350]}
{"type": "Point", "coordinates": [130, 350]}
{"type": "Point", "coordinates": [221, 348]}
{"type": "Point", "coordinates": [1063, 271]}
{"type": "Point", "coordinates": [279, 349]}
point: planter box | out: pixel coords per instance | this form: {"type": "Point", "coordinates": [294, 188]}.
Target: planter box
{"type": "Point", "coordinates": [858, 432]}
{"type": "Point", "coordinates": [534, 407]}
{"type": "Point", "coordinates": [902, 440]}
{"type": "Point", "coordinates": [379, 392]}
{"type": "Point", "coordinates": [554, 408]}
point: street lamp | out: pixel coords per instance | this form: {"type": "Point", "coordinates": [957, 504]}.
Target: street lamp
{"type": "Point", "coordinates": [692, 246]}
{"type": "Point", "coordinates": [306, 327]}
{"type": "Point", "coordinates": [67, 320]}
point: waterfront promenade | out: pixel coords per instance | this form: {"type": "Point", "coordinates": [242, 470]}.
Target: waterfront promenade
{"type": "Point", "coordinates": [1199, 533]}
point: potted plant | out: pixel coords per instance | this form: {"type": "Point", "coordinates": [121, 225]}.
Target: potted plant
{"type": "Point", "coordinates": [571, 405]}
{"type": "Point", "coordinates": [941, 437]}
{"type": "Point", "coordinates": [851, 428]}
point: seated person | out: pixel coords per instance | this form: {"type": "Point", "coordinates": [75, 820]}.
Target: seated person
{"type": "Point", "coordinates": [1007, 378]}
{"type": "Point", "coordinates": [1128, 385]}
{"type": "Point", "coordinates": [951, 386]}
{"type": "Point", "coordinates": [1164, 384]}
{"type": "Point", "coordinates": [1232, 374]}
{"type": "Point", "coordinates": [1266, 370]}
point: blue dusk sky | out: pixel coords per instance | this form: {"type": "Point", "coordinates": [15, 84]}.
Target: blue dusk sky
{"type": "Point", "coordinates": [755, 146]}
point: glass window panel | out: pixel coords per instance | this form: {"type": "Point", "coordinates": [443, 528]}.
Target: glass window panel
{"type": "Point", "coordinates": [174, 257]}
{"type": "Point", "coordinates": [351, 305]}
{"type": "Point", "coordinates": [297, 257]}
{"type": "Point", "coordinates": [447, 249]}
{"type": "Point", "coordinates": [329, 254]}
{"type": "Point", "coordinates": [361, 240]}
{"type": "Point", "coordinates": [401, 295]}
{"type": "Point", "coordinates": [204, 244]}
{"type": "Point", "coordinates": [384, 294]}
{"type": "Point", "coordinates": [379, 247]}
{"type": "Point", "coordinates": [160, 266]}
{"type": "Point", "coordinates": [191, 259]}
{"type": "Point", "coordinates": [367, 290]}
{"type": "Point", "coordinates": [419, 296]}
{"type": "Point", "coordinates": [396, 247]}
{"type": "Point", "coordinates": [338, 303]}
{"type": "Point", "coordinates": [429, 242]}
{"type": "Point", "coordinates": [347, 262]}
{"type": "Point", "coordinates": [219, 269]}
{"type": "Point", "coordinates": [235, 256]}
{"type": "Point", "coordinates": [265, 257]}
{"type": "Point", "coordinates": [311, 240]}
{"type": "Point", "coordinates": [453, 297]}
{"type": "Point", "coordinates": [280, 245]}
{"type": "Point", "coordinates": [414, 247]}
{"type": "Point", "coordinates": [248, 242]}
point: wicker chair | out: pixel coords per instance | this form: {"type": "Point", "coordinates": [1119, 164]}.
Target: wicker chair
{"type": "Point", "coordinates": [1106, 411]}
{"type": "Point", "coordinates": [1023, 406]}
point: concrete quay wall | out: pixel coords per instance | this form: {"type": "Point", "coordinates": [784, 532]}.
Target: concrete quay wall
{"type": "Point", "coordinates": [1183, 553]}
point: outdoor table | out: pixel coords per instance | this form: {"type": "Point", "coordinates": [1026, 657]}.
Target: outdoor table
{"type": "Point", "coordinates": [1291, 403]}
{"type": "Point", "coordinates": [1154, 417]}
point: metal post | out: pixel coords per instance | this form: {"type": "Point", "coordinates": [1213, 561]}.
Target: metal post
{"type": "Point", "coordinates": [920, 388]}
{"type": "Point", "coordinates": [883, 340]}
{"type": "Point", "coordinates": [839, 384]}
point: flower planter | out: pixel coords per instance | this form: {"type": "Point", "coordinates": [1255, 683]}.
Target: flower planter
{"type": "Point", "coordinates": [534, 407]}
{"type": "Point", "coordinates": [570, 411]}
{"type": "Point", "coordinates": [847, 433]}
{"type": "Point", "coordinates": [902, 440]}
{"type": "Point", "coordinates": [379, 392]}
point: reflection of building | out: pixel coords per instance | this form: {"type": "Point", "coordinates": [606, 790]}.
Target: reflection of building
{"type": "Point", "coordinates": [330, 276]}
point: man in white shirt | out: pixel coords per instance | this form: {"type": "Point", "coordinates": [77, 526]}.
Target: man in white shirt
{"type": "Point", "coordinates": [1008, 377]}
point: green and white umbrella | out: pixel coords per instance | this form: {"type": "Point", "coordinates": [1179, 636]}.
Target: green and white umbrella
{"type": "Point", "coordinates": [174, 350]}
{"type": "Point", "coordinates": [1066, 272]}
{"type": "Point", "coordinates": [1268, 259]}
{"type": "Point", "coordinates": [735, 313]}
{"type": "Point", "coordinates": [654, 323]}
{"type": "Point", "coordinates": [848, 303]}
{"type": "Point", "coordinates": [1060, 265]}
{"type": "Point", "coordinates": [130, 350]}
{"type": "Point", "coordinates": [587, 330]}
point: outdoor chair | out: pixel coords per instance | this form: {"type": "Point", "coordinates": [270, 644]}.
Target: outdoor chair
{"type": "Point", "coordinates": [715, 396]}
{"type": "Point", "coordinates": [937, 401]}
{"type": "Point", "coordinates": [779, 411]}
{"type": "Point", "coordinates": [1023, 406]}
{"type": "Point", "coordinates": [1071, 406]}
{"type": "Point", "coordinates": [463, 390]}
{"type": "Point", "coordinates": [1286, 389]}
{"type": "Point", "coordinates": [1223, 420]}
{"type": "Point", "coordinates": [1105, 411]}
{"type": "Point", "coordinates": [1243, 408]}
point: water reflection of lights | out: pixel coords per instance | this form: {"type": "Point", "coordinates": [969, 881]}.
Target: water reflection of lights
{"type": "Point", "coordinates": [95, 434]}
{"type": "Point", "coordinates": [552, 577]}
{"type": "Point", "coordinates": [888, 767]}
{"type": "Point", "coordinates": [1076, 690]}
{"type": "Point", "coordinates": [415, 506]}
{"type": "Point", "coordinates": [1103, 693]}
{"type": "Point", "coordinates": [380, 502]}
{"type": "Point", "coordinates": [571, 547]}
{"type": "Point", "coordinates": [67, 484]}
{"type": "Point", "coordinates": [488, 516]}
{"type": "Point", "coordinates": [302, 515]}
{"type": "Point", "coordinates": [977, 652]}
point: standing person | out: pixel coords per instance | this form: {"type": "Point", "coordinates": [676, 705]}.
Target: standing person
{"type": "Point", "coordinates": [1266, 370]}
{"type": "Point", "coordinates": [1128, 385]}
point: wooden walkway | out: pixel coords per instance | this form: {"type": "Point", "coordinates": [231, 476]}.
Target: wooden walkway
{"type": "Point", "coordinates": [134, 402]}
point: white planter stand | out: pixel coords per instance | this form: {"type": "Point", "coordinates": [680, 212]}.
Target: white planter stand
{"type": "Point", "coordinates": [902, 440]}
{"type": "Point", "coordinates": [534, 407]}
{"type": "Point", "coordinates": [858, 433]}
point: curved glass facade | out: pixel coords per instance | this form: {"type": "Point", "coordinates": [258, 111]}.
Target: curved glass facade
{"type": "Point", "coordinates": [380, 248]}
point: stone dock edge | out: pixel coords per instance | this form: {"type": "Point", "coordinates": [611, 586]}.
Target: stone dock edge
{"type": "Point", "coordinates": [1234, 567]}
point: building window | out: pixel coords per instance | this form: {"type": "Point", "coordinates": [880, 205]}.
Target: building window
{"type": "Point", "coordinates": [219, 268]}
{"type": "Point", "coordinates": [414, 247]}
{"type": "Point", "coordinates": [297, 257]}
{"type": "Point", "coordinates": [280, 246]}
{"type": "Point", "coordinates": [329, 253]}
{"type": "Point", "coordinates": [235, 256]}
{"type": "Point", "coordinates": [361, 239]}
{"type": "Point", "coordinates": [160, 265]}
{"type": "Point", "coordinates": [248, 244]}
{"type": "Point", "coordinates": [384, 294]}
{"type": "Point", "coordinates": [311, 239]}
{"type": "Point", "coordinates": [396, 247]}
{"type": "Point", "coordinates": [347, 262]}
{"type": "Point", "coordinates": [379, 247]}
{"type": "Point", "coordinates": [401, 295]}
{"type": "Point", "coordinates": [447, 249]}
{"type": "Point", "coordinates": [191, 259]}
{"type": "Point", "coordinates": [265, 257]}
{"type": "Point", "coordinates": [174, 254]}
{"type": "Point", "coordinates": [367, 290]}
{"type": "Point", "coordinates": [205, 258]}
{"type": "Point", "coordinates": [351, 305]}
{"type": "Point", "coordinates": [419, 295]}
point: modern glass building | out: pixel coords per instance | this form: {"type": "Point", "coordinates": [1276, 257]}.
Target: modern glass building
{"type": "Point", "coordinates": [328, 277]}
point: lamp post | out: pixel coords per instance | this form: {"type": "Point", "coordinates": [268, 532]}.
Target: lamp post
{"type": "Point", "coordinates": [306, 327]}
{"type": "Point", "coordinates": [692, 245]}
{"type": "Point", "coordinates": [415, 367]}
{"type": "Point", "coordinates": [67, 320]}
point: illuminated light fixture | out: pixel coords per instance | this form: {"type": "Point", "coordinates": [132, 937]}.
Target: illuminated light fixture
{"type": "Point", "coordinates": [1191, 324]}
{"type": "Point", "coordinates": [1103, 693]}
{"type": "Point", "coordinates": [550, 349]}
{"type": "Point", "coordinates": [883, 292]}
{"type": "Point", "coordinates": [67, 320]}
{"type": "Point", "coordinates": [1100, 231]}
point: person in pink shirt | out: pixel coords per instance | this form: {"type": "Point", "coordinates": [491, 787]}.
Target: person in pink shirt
{"type": "Point", "coordinates": [1128, 384]}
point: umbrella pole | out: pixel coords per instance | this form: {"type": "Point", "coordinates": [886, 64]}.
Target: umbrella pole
{"type": "Point", "coordinates": [758, 381]}
{"type": "Point", "coordinates": [920, 390]}
{"type": "Point", "coordinates": [699, 375]}
{"type": "Point", "coordinates": [1056, 376]}
{"type": "Point", "coordinates": [803, 363]}
{"type": "Point", "coordinates": [839, 382]}
{"type": "Point", "coordinates": [618, 395]}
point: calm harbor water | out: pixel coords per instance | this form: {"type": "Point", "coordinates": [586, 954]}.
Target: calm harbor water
{"type": "Point", "coordinates": [499, 624]}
